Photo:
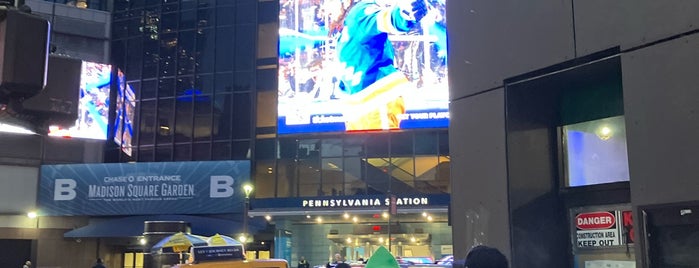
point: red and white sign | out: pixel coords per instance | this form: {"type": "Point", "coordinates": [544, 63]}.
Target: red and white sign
{"type": "Point", "coordinates": [597, 229]}
{"type": "Point", "coordinates": [595, 220]}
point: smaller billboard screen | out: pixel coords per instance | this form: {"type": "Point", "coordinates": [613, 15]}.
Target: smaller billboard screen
{"type": "Point", "coordinates": [93, 106]}
{"type": "Point", "coordinates": [358, 65]}
{"type": "Point", "coordinates": [125, 109]}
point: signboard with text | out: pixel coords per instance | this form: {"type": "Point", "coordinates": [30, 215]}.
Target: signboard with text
{"type": "Point", "coordinates": [601, 229]}
{"type": "Point", "coordinates": [354, 202]}
{"type": "Point", "coordinates": [218, 253]}
{"type": "Point", "coordinates": [204, 187]}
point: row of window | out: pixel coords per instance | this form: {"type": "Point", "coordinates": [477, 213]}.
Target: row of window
{"type": "Point", "coordinates": [174, 5]}
{"type": "Point", "coordinates": [151, 21]}
{"type": "Point", "coordinates": [186, 53]}
{"type": "Point", "coordinates": [193, 118]}
{"type": "Point", "coordinates": [369, 163]}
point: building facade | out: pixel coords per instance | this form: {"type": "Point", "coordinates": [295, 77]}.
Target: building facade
{"type": "Point", "coordinates": [584, 112]}
{"type": "Point", "coordinates": [77, 33]}
{"type": "Point", "coordinates": [205, 79]}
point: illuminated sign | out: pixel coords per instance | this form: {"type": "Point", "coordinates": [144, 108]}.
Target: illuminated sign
{"type": "Point", "coordinates": [363, 202]}
{"type": "Point", "coordinates": [93, 107]}
{"type": "Point", "coordinates": [205, 187]}
{"type": "Point", "coordinates": [358, 65]}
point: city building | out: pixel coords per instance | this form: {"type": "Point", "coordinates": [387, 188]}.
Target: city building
{"type": "Point", "coordinates": [565, 114]}
{"type": "Point", "coordinates": [194, 87]}
{"type": "Point", "coordinates": [81, 33]}
{"type": "Point", "coordinates": [570, 128]}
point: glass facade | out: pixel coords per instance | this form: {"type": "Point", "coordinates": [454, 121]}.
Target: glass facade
{"type": "Point", "coordinates": [204, 76]}
{"type": "Point", "coordinates": [191, 67]}
{"type": "Point", "coordinates": [353, 164]}
{"type": "Point", "coordinates": [91, 4]}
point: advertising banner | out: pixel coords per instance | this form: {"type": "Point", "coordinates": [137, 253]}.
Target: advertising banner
{"type": "Point", "coordinates": [358, 65]}
{"type": "Point", "coordinates": [205, 187]}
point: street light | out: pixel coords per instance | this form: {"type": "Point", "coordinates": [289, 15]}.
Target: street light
{"type": "Point", "coordinates": [247, 189]}
{"type": "Point", "coordinates": [34, 215]}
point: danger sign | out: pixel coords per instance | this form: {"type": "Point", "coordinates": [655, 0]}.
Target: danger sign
{"type": "Point", "coordinates": [597, 229]}
{"type": "Point", "coordinates": [595, 220]}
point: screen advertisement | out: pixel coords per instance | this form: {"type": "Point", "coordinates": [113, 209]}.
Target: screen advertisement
{"type": "Point", "coordinates": [93, 104]}
{"type": "Point", "coordinates": [125, 110]}
{"type": "Point", "coordinates": [362, 65]}
{"type": "Point", "coordinates": [203, 187]}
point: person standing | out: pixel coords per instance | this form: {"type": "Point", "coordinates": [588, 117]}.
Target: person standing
{"type": "Point", "coordinates": [338, 262]}
{"type": "Point", "coordinates": [485, 257]}
{"type": "Point", "coordinates": [99, 264]}
{"type": "Point", "coordinates": [303, 263]}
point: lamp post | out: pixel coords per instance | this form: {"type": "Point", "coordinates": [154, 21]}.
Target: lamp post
{"type": "Point", "coordinates": [247, 189]}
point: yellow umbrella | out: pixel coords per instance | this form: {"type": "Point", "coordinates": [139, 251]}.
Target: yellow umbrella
{"type": "Point", "coordinates": [179, 242]}
{"type": "Point", "coordinates": [223, 240]}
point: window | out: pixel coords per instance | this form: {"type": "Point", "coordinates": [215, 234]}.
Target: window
{"type": "Point", "coordinates": [595, 152]}
{"type": "Point", "coordinates": [133, 260]}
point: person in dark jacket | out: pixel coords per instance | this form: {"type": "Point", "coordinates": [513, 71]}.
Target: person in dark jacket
{"type": "Point", "coordinates": [303, 263]}
{"type": "Point", "coordinates": [485, 257]}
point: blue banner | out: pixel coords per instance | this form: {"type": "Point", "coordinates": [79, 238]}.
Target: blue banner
{"type": "Point", "coordinates": [206, 187]}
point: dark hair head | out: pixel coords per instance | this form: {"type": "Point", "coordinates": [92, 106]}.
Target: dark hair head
{"type": "Point", "coordinates": [99, 260]}
{"type": "Point", "coordinates": [485, 257]}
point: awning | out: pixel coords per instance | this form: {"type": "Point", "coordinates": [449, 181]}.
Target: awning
{"type": "Point", "coordinates": [133, 226]}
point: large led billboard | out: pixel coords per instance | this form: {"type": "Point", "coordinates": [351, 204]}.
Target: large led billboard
{"type": "Point", "coordinates": [93, 106]}
{"type": "Point", "coordinates": [359, 65]}
{"type": "Point", "coordinates": [125, 111]}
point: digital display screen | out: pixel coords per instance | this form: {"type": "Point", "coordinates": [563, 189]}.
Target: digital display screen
{"type": "Point", "coordinates": [125, 109]}
{"type": "Point", "coordinates": [93, 106]}
{"type": "Point", "coordinates": [362, 65]}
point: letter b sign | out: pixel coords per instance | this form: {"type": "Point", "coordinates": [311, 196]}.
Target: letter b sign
{"type": "Point", "coordinates": [221, 186]}
{"type": "Point", "coordinates": [64, 190]}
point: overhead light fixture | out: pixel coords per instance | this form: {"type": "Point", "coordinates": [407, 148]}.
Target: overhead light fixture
{"type": "Point", "coordinates": [268, 217]}
{"type": "Point", "coordinates": [355, 219]}
{"type": "Point", "coordinates": [32, 214]}
{"type": "Point", "coordinates": [15, 129]}
{"type": "Point", "coordinates": [346, 215]}
{"type": "Point", "coordinates": [604, 132]}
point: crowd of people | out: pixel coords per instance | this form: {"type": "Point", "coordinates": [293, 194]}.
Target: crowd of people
{"type": "Point", "coordinates": [480, 256]}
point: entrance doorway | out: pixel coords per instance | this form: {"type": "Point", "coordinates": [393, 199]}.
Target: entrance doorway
{"type": "Point", "coordinates": [15, 252]}
{"type": "Point", "coordinates": [413, 247]}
